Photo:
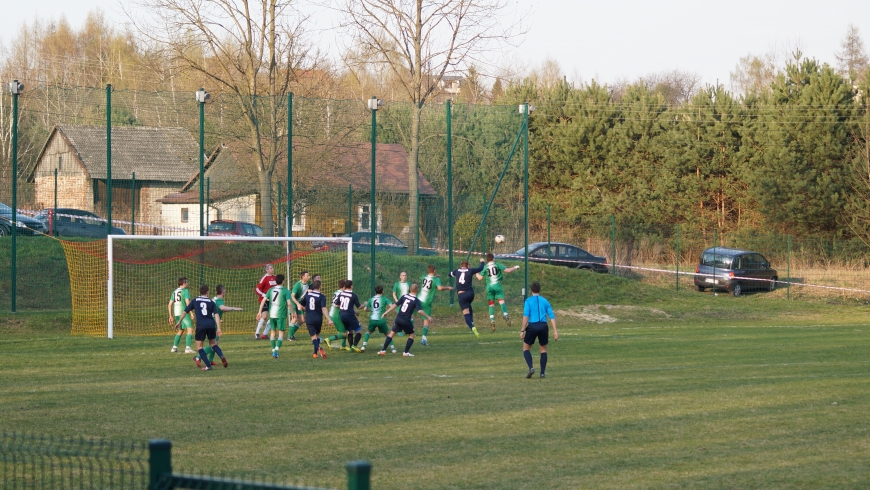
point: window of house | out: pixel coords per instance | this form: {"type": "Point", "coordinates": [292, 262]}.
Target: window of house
{"type": "Point", "coordinates": [364, 216]}
{"type": "Point", "coordinates": [59, 163]}
{"type": "Point", "coordinates": [299, 216]}
{"type": "Point", "coordinates": [185, 215]}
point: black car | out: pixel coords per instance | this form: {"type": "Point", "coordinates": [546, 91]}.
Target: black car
{"type": "Point", "coordinates": [69, 222]}
{"type": "Point", "coordinates": [734, 270]}
{"type": "Point", "coordinates": [563, 254]}
{"type": "Point", "coordinates": [26, 224]}
{"type": "Point", "coordinates": [384, 242]}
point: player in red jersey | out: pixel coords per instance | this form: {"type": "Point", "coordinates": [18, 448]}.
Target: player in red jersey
{"type": "Point", "coordinates": [265, 284]}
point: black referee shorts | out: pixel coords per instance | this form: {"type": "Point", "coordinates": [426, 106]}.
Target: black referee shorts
{"type": "Point", "coordinates": [465, 298]}
{"type": "Point", "coordinates": [537, 331]}
{"type": "Point", "coordinates": [265, 307]}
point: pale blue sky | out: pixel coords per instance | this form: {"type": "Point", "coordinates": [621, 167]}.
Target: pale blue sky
{"type": "Point", "coordinates": [608, 40]}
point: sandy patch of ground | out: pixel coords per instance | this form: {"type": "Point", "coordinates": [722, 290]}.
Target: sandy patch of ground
{"type": "Point", "coordinates": [601, 314]}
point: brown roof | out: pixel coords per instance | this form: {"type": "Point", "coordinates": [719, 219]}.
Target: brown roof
{"type": "Point", "coordinates": [351, 165]}
{"type": "Point", "coordinates": [163, 154]}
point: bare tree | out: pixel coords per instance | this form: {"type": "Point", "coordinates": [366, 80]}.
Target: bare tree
{"type": "Point", "coordinates": [675, 86]}
{"type": "Point", "coordinates": [754, 74]}
{"type": "Point", "coordinates": [851, 59]}
{"type": "Point", "coordinates": [421, 41]}
{"type": "Point", "coordinates": [251, 50]}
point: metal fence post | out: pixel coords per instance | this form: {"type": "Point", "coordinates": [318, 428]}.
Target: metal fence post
{"type": "Point", "coordinates": [548, 235]}
{"type": "Point", "coordinates": [359, 475]}
{"type": "Point", "coordinates": [160, 461]}
{"type": "Point", "coordinates": [349, 209]}
{"type": "Point", "coordinates": [109, 158]}
{"type": "Point", "coordinates": [450, 194]}
{"type": "Point", "coordinates": [133, 206]}
{"type": "Point", "coordinates": [788, 270]}
{"type": "Point", "coordinates": [678, 257]}
{"type": "Point", "coordinates": [14, 230]}
{"type": "Point", "coordinates": [526, 200]}
{"type": "Point", "coordinates": [613, 243]}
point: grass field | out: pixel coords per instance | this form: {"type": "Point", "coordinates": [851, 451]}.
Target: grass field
{"type": "Point", "coordinates": [646, 388]}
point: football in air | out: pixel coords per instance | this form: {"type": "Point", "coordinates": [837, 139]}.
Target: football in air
{"type": "Point", "coordinates": [499, 239]}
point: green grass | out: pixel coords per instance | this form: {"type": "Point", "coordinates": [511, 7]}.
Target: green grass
{"type": "Point", "coordinates": [723, 393]}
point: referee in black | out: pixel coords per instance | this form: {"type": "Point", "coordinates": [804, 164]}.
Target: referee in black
{"type": "Point", "coordinates": [536, 311]}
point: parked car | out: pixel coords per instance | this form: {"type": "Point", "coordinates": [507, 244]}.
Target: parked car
{"type": "Point", "coordinates": [563, 254]}
{"type": "Point", "coordinates": [69, 222]}
{"type": "Point", "coordinates": [734, 270]}
{"type": "Point", "coordinates": [384, 242]}
{"type": "Point", "coordinates": [233, 228]}
{"type": "Point", "coordinates": [26, 224]}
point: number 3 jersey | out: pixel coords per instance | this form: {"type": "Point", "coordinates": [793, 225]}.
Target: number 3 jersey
{"type": "Point", "coordinates": [204, 309]}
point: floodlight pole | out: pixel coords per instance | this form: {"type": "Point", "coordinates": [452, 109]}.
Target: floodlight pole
{"type": "Point", "coordinates": [202, 96]}
{"type": "Point", "coordinates": [374, 103]}
{"type": "Point", "coordinates": [449, 194]}
{"type": "Point", "coordinates": [289, 231]}
{"type": "Point", "coordinates": [15, 88]}
{"type": "Point", "coordinates": [526, 197]}
{"type": "Point", "coordinates": [108, 159]}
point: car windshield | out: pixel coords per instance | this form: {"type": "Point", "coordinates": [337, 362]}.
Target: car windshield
{"type": "Point", "coordinates": [222, 227]}
{"type": "Point", "coordinates": [717, 260]}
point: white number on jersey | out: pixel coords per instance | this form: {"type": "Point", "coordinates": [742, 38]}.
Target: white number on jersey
{"type": "Point", "coordinates": [405, 305]}
{"type": "Point", "coordinates": [461, 278]}
{"type": "Point", "coordinates": [204, 309]}
{"type": "Point", "coordinates": [311, 303]}
{"type": "Point", "coordinates": [345, 303]}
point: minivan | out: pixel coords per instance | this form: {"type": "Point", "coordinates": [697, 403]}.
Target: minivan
{"type": "Point", "coordinates": [734, 270]}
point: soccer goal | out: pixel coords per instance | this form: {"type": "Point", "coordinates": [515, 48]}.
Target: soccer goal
{"type": "Point", "coordinates": [124, 289]}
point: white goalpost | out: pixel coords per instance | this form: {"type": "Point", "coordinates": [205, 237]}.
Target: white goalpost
{"type": "Point", "coordinates": [335, 243]}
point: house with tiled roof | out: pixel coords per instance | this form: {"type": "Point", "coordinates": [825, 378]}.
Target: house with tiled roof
{"type": "Point", "coordinates": [71, 170]}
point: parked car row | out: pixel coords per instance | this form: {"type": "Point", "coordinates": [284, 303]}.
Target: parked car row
{"type": "Point", "coordinates": [25, 224]}
{"type": "Point", "coordinates": [562, 254]}
{"type": "Point", "coordinates": [69, 222]}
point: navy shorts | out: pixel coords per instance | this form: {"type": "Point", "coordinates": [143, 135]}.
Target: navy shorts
{"type": "Point", "coordinates": [205, 333]}
{"type": "Point", "coordinates": [465, 298]}
{"type": "Point", "coordinates": [537, 331]}
{"type": "Point", "coordinates": [351, 323]}
{"type": "Point", "coordinates": [313, 328]}
{"type": "Point", "coordinates": [406, 328]}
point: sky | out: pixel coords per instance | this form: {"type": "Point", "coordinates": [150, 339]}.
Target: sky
{"type": "Point", "coordinates": [607, 40]}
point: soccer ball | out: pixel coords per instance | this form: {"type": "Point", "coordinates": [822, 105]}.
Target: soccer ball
{"type": "Point", "coordinates": [499, 239]}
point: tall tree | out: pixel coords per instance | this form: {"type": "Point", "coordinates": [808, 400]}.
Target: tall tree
{"type": "Point", "coordinates": [753, 74]}
{"type": "Point", "coordinates": [421, 41]}
{"type": "Point", "coordinates": [250, 50]}
{"type": "Point", "coordinates": [851, 59]}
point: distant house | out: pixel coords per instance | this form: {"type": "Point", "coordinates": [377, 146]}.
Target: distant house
{"type": "Point", "coordinates": [230, 192]}
{"type": "Point", "coordinates": [343, 173]}
{"type": "Point", "coordinates": [163, 159]}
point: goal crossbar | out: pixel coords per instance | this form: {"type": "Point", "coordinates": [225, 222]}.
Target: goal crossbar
{"type": "Point", "coordinates": [223, 238]}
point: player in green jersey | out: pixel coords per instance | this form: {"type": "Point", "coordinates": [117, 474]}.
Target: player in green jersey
{"type": "Point", "coordinates": [400, 289]}
{"type": "Point", "coordinates": [336, 320]}
{"type": "Point", "coordinates": [377, 304]}
{"type": "Point", "coordinates": [493, 273]}
{"type": "Point", "coordinates": [177, 303]}
{"type": "Point", "coordinates": [279, 302]}
{"type": "Point", "coordinates": [219, 309]}
{"type": "Point", "coordinates": [298, 291]}
{"type": "Point", "coordinates": [428, 285]}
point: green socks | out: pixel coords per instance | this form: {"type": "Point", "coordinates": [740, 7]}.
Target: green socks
{"type": "Point", "coordinates": [425, 331]}
{"type": "Point", "coordinates": [177, 340]}
{"type": "Point", "coordinates": [366, 337]}
{"type": "Point", "coordinates": [189, 340]}
{"type": "Point", "coordinates": [293, 329]}
{"type": "Point", "coordinates": [492, 312]}
{"type": "Point", "coordinates": [503, 308]}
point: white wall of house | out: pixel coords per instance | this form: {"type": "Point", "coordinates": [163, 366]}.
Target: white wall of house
{"type": "Point", "coordinates": [186, 216]}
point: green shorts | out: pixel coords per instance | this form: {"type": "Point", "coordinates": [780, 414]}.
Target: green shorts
{"type": "Point", "coordinates": [186, 323]}
{"type": "Point", "coordinates": [337, 321]}
{"type": "Point", "coordinates": [300, 315]}
{"type": "Point", "coordinates": [426, 308]}
{"type": "Point", "coordinates": [379, 325]}
{"type": "Point", "coordinates": [279, 324]}
{"type": "Point", "coordinates": [494, 292]}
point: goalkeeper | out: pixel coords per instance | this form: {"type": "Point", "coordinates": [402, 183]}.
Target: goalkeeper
{"type": "Point", "coordinates": [336, 320]}
{"type": "Point", "coordinates": [298, 313]}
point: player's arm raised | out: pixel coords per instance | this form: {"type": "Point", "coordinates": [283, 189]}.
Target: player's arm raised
{"type": "Point", "coordinates": [230, 308]}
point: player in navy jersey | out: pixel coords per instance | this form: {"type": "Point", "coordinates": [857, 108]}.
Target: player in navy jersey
{"type": "Point", "coordinates": [314, 304]}
{"type": "Point", "coordinates": [208, 326]}
{"type": "Point", "coordinates": [347, 302]}
{"type": "Point", "coordinates": [465, 291]}
{"type": "Point", "coordinates": [405, 307]}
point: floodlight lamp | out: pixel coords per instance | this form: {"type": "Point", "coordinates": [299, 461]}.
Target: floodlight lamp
{"type": "Point", "coordinates": [522, 108]}
{"type": "Point", "coordinates": [375, 104]}
{"type": "Point", "coordinates": [15, 88]}
{"type": "Point", "coordinates": [202, 96]}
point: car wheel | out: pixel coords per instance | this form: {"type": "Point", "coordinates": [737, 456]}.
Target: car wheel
{"type": "Point", "coordinates": [3, 231]}
{"type": "Point", "coordinates": [585, 268]}
{"type": "Point", "coordinates": [772, 284]}
{"type": "Point", "coordinates": [737, 289]}
{"type": "Point", "coordinates": [700, 288]}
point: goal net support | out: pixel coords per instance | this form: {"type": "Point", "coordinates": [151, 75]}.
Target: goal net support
{"type": "Point", "coordinates": [122, 286]}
